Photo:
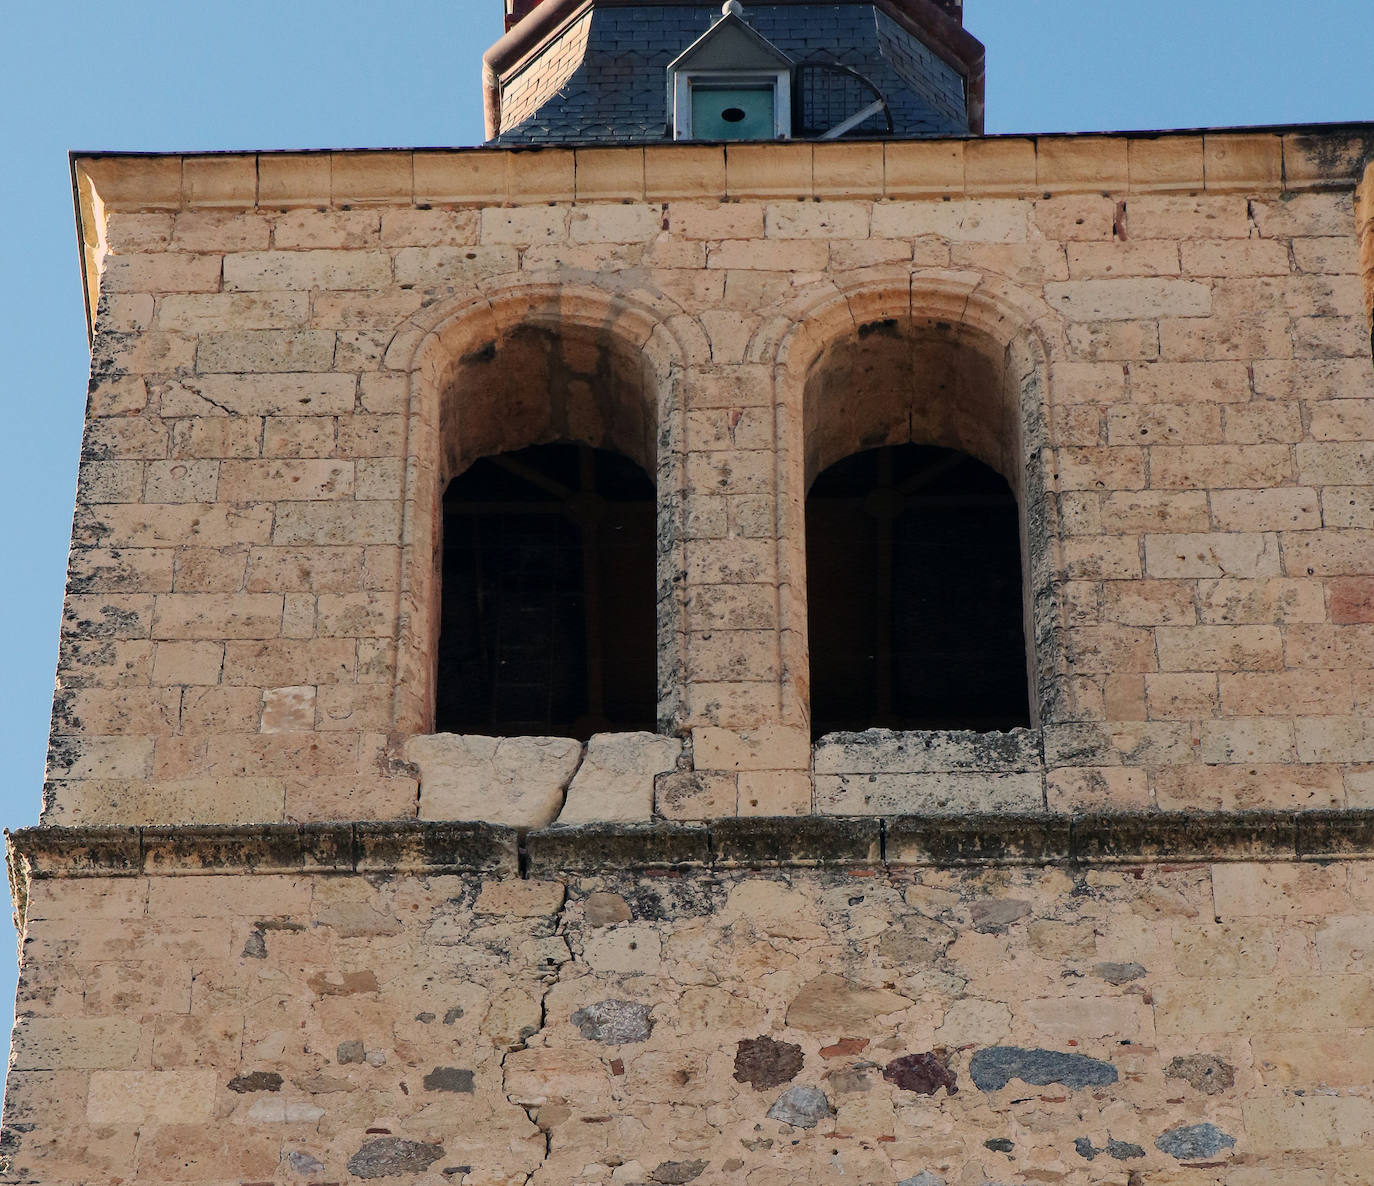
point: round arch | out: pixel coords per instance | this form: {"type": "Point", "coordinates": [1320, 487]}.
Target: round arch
{"type": "Point", "coordinates": [953, 359]}
{"type": "Point", "coordinates": [526, 365]}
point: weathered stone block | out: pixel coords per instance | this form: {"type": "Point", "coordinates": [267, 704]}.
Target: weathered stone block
{"type": "Point", "coordinates": [1000, 166]}
{"type": "Point", "coordinates": [881, 751]}
{"type": "Point", "coordinates": [151, 1097]}
{"type": "Point", "coordinates": [256, 271]}
{"type": "Point", "coordinates": [1165, 163]}
{"type": "Point", "coordinates": [473, 176]}
{"type": "Point", "coordinates": [1315, 1122]}
{"type": "Point", "coordinates": [50, 1043]}
{"type": "Point", "coordinates": [768, 171]}
{"type": "Point", "coordinates": [694, 795]}
{"type": "Point", "coordinates": [545, 175]}
{"type": "Point", "coordinates": [1129, 299]}
{"type": "Point", "coordinates": [362, 177]}
{"type": "Point", "coordinates": [1243, 161]}
{"type": "Point", "coordinates": [220, 180]}
{"type": "Point", "coordinates": [616, 778]}
{"type": "Point", "coordinates": [772, 747]}
{"type": "Point", "coordinates": [1082, 165]}
{"type": "Point", "coordinates": [684, 171]}
{"type": "Point", "coordinates": [916, 169]}
{"type": "Point", "coordinates": [293, 179]}
{"type": "Point", "coordinates": [516, 781]}
{"type": "Point", "coordinates": [847, 170]}
{"type": "Point", "coordinates": [610, 174]}
{"type": "Point", "coordinates": [928, 793]}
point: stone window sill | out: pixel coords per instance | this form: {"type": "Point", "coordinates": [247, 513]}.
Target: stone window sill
{"type": "Point", "coordinates": [532, 782]}
{"type": "Point", "coordinates": [929, 772]}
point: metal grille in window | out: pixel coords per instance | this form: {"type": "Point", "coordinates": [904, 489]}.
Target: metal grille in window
{"type": "Point", "coordinates": [548, 595]}
{"type": "Point", "coordinates": [914, 594]}
{"type": "Point", "coordinates": [825, 94]}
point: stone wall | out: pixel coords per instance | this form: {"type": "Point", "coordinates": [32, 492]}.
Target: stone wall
{"type": "Point", "coordinates": [220, 985]}
{"type": "Point", "coordinates": [1365, 212]}
{"type": "Point", "coordinates": [1155, 1024]}
{"type": "Point", "coordinates": [283, 381]}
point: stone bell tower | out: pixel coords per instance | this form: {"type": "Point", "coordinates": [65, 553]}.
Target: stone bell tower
{"type": "Point", "coordinates": [740, 632]}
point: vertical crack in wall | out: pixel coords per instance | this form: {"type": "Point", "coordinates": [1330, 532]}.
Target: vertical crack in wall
{"type": "Point", "coordinates": [548, 981]}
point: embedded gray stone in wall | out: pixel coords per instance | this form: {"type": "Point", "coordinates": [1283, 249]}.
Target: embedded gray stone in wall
{"type": "Point", "coordinates": [616, 779]}
{"type": "Point", "coordinates": [677, 1173]}
{"type": "Point", "coordinates": [516, 781]}
{"type": "Point", "coordinates": [1116, 1150]}
{"type": "Point", "coordinates": [392, 1156]}
{"type": "Point", "coordinates": [1123, 1150]}
{"type": "Point", "coordinates": [1120, 973]}
{"type": "Point", "coordinates": [802, 1107]}
{"type": "Point", "coordinates": [614, 1023]}
{"type": "Point", "coordinates": [255, 1081]}
{"type": "Point", "coordinates": [1195, 1142]}
{"type": "Point", "coordinates": [456, 1079]}
{"type": "Point", "coordinates": [932, 793]}
{"type": "Point", "coordinates": [994, 1068]}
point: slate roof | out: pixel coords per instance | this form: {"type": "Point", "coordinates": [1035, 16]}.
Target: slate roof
{"type": "Point", "coordinates": [603, 78]}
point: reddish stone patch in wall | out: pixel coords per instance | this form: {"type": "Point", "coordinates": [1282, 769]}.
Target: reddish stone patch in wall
{"type": "Point", "coordinates": [1352, 600]}
{"type": "Point", "coordinates": [844, 1047]}
{"type": "Point", "coordinates": [924, 1073]}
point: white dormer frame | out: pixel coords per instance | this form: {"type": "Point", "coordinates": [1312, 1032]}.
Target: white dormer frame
{"type": "Point", "coordinates": [681, 83]}
{"type": "Point", "coordinates": [768, 66]}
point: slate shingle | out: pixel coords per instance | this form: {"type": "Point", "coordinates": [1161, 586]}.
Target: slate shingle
{"type": "Point", "coordinates": [602, 79]}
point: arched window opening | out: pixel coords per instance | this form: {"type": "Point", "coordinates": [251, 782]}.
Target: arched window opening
{"type": "Point", "coordinates": [914, 593]}
{"type": "Point", "coordinates": [548, 609]}
{"type": "Point", "coordinates": [924, 555]}
{"type": "Point", "coordinates": [536, 364]}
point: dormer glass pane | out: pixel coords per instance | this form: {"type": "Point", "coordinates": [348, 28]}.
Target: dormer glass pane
{"type": "Point", "coordinates": [733, 112]}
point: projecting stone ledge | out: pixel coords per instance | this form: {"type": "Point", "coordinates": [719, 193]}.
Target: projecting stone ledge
{"type": "Point", "coordinates": [617, 846]}
{"type": "Point", "coordinates": [424, 847]}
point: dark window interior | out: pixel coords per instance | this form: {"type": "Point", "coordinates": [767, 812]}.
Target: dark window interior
{"type": "Point", "coordinates": [548, 619]}
{"type": "Point", "coordinates": [914, 589]}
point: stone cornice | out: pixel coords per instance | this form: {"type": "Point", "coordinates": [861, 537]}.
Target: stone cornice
{"type": "Point", "coordinates": [1296, 158]}
{"type": "Point", "coordinates": [1248, 160]}
{"type": "Point", "coordinates": [793, 842]}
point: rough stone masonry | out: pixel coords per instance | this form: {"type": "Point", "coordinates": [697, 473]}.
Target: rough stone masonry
{"type": "Point", "coordinates": [1129, 945]}
{"type": "Point", "coordinates": [1153, 1023]}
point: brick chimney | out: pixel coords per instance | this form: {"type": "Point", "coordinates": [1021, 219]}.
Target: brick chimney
{"type": "Point", "coordinates": [955, 8]}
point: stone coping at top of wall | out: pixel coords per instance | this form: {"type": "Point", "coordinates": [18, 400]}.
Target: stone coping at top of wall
{"type": "Point", "coordinates": [1218, 160]}
{"type": "Point", "coordinates": [410, 846]}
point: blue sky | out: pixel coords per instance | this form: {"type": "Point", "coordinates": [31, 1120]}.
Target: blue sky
{"type": "Point", "coordinates": [172, 75]}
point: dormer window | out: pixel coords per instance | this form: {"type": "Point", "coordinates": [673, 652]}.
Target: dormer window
{"type": "Point", "coordinates": [731, 84]}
